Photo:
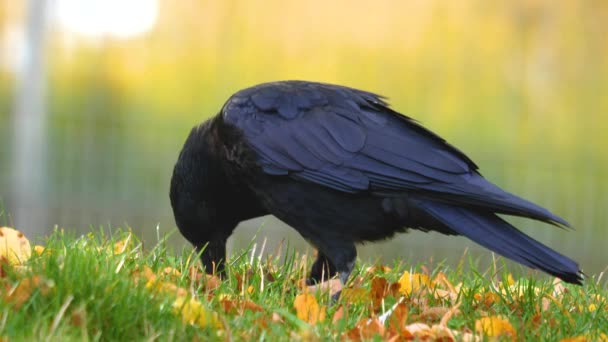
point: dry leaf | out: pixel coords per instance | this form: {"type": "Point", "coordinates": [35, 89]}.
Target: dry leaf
{"type": "Point", "coordinates": [380, 288]}
{"type": "Point", "coordinates": [14, 246]}
{"type": "Point", "coordinates": [338, 315]}
{"type": "Point", "coordinates": [432, 314]}
{"type": "Point", "coordinates": [166, 288]}
{"type": "Point", "coordinates": [307, 308]}
{"type": "Point", "coordinates": [172, 272]}
{"type": "Point", "coordinates": [378, 269]}
{"type": "Point", "coordinates": [143, 274]}
{"type": "Point", "coordinates": [354, 295]}
{"type": "Point", "coordinates": [487, 299]}
{"type": "Point", "coordinates": [583, 338]}
{"type": "Point", "coordinates": [124, 245]}
{"type": "Point", "coordinates": [193, 312]}
{"type": "Point", "coordinates": [365, 330]}
{"type": "Point", "coordinates": [331, 285]}
{"type": "Point", "coordinates": [495, 326]}
{"type": "Point", "coordinates": [232, 306]}
{"type": "Point", "coordinates": [575, 339]}
{"type": "Point", "coordinates": [22, 292]}
{"type": "Point", "coordinates": [420, 331]}
{"type": "Point", "coordinates": [398, 318]}
{"type": "Point", "coordinates": [39, 250]}
{"type": "Point", "coordinates": [409, 283]}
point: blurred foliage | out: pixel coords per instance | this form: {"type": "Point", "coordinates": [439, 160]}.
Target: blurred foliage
{"type": "Point", "coordinates": [519, 85]}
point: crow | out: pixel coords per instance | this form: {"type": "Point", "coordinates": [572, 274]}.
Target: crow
{"type": "Point", "coordinates": [341, 167]}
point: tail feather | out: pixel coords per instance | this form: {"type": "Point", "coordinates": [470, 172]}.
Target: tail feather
{"type": "Point", "coordinates": [490, 231]}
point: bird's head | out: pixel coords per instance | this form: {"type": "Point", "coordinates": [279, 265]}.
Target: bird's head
{"type": "Point", "coordinates": [196, 200]}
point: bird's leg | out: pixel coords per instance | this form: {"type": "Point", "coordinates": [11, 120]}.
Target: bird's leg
{"type": "Point", "coordinates": [321, 270]}
{"type": "Point", "coordinates": [341, 254]}
{"type": "Point", "coordinates": [213, 256]}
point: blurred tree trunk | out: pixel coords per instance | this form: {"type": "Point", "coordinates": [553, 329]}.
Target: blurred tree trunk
{"type": "Point", "coordinates": [29, 205]}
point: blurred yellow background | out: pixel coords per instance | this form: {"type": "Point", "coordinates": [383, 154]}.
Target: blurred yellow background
{"type": "Point", "coordinates": [520, 86]}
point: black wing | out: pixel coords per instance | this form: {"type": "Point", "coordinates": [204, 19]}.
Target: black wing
{"type": "Point", "coordinates": [351, 141]}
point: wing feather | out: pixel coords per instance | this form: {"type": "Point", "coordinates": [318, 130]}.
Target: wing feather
{"type": "Point", "coordinates": [351, 141]}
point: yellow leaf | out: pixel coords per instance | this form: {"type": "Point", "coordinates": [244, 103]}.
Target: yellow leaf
{"type": "Point", "coordinates": [495, 326]}
{"type": "Point", "coordinates": [166, 287]}
{"type": "Point", "coordinates": [14, 246]}
{"type": "Point", "coordinates": [193, 312]}
{"type": "Point", "coordinates": [510, 280]}
{"type": "Point", "coordinates": [124, 245]}
{"type": "Point", "coordinates": [172, 272]}
{"type": "Point", "coordinates": [354, 295]}
{"type": "Point", "coordinates": [38, 250]}
{"type": "Point", "coordinates": [308, 310]}
{"type": "Point", "coordinates": [412, 282]}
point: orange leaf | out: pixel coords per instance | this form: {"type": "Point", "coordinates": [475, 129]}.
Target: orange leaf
{"type": "Point", "coordinates": [487, 299]}
{"type": "Point", "coordinates": [308, 310]}
{"type": "Point", "coordinates": [232, 306]}
{"type": "Point", "coordinates": [21, 293]}
{"type": "Point", "coordinates": [380, 288]}
{"type": "Point", "coordinates": [398, 318]}
{"type": "Point", "coordinates": [495, 326]}
{"type": "Point", "coordinates": [338, 315]}
{"type": "Point", "coordinates": [378, 269]}
{"type": "Point", "coordinates": [365, 330]}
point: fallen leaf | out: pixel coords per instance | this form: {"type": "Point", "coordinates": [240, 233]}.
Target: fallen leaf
{"type": "Point", "coordinates": [378, 269]}
{"type": "Point", "coordinates": [143, 274]}
{"type": "Point", "coordinates": [558, 287]}
{"type": "Point", "coordinates": [380, 288]}
{"type": "Point", "coordinates": [193, 312]}
{"type": "Point", "coordinates": [307, 308]}
{"type": "Point", "coordinates": [212, 282]}
{"type": "Point", "coordinates": [15, 248]}
{"type": "Point", "coordinates": [233, 306]}
{"type": "Point", "coordinates": [431, 314]}
{"type": "Point", "coordinates": [495, 326]}
{"type": "Point", "coordinates": [398, 318]}
{"type": "Point", "coordinates": [354, 295]}
{"type": "Point", "coordinates": [166, 288]}
{"type": "Point", "coordinates": [331, 285]}
{"type": "Point", "coordinates": [365, 330]}
{"type": "Point", "coordinates": [276, 318]}
{"type": "Point", "coordinates": [486, 299]}
{"type": "Point", "coordinates": [338, 315]}
{"type": "Point", "coordinates": [172, 272]}
{"type": "Point", "coordinates": [78, 318]}
{"type": "Point", "coordinates": [124, 245]}
{"type": "Point", "coordinates": [39, 250]}
{"type": "Point", "coordinates": [22, 292]}
{"type": "Point", "coordinates": [420, 331]}
{"type": "Point", "coordinates": [574, 339]}
{"type": "Point", "coordinates": [409, 283]}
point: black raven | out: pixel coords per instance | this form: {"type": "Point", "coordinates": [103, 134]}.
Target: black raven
{"type": "Point", "coordinates": [341, 167]}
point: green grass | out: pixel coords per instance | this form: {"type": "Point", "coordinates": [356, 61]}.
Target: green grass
{"type": "Point", "coordinates": [87, 289]}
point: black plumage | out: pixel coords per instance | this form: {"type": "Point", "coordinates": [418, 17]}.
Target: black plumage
{"type": "Point", "coordinates": [341, 167]}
